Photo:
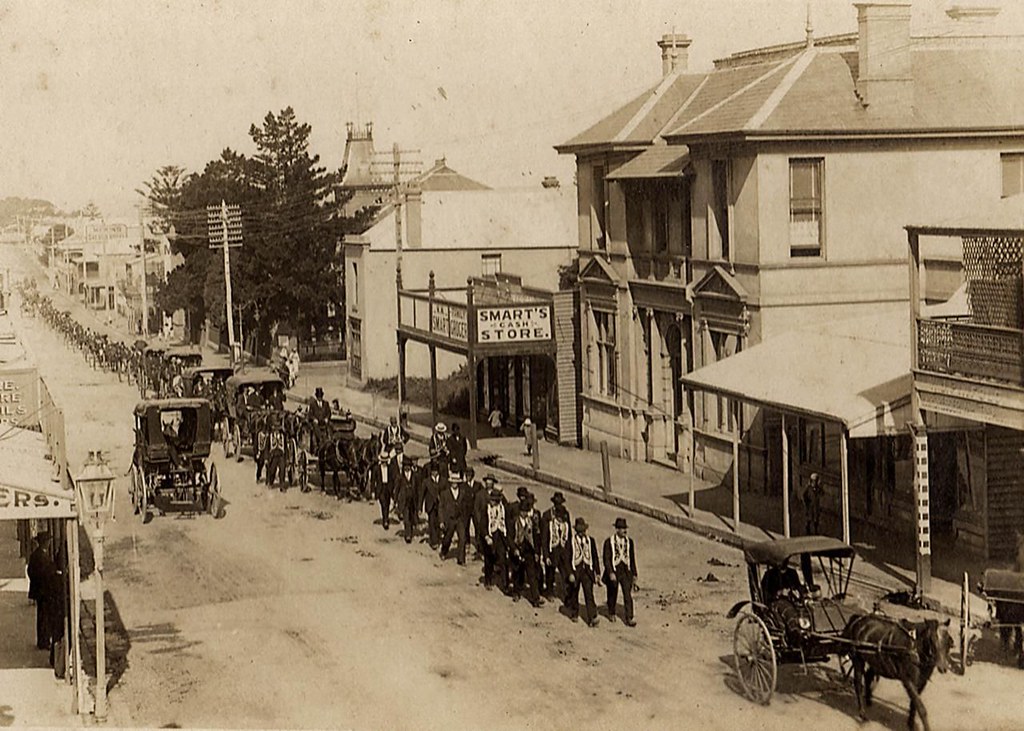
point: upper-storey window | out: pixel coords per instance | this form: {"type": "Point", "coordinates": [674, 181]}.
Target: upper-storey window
{"type": "Point", "coordinates": [599, 209]}
{"type": "Point", "coordinates": [490, 264]}
{"type": "Point", "coordinates": [1013, 173]}
{"type": "Point", "coordinates": [806, 220]}
{"type": "Point", "coordinates": [720, 205]}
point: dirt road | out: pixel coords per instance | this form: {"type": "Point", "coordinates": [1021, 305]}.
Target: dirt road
{"type": "Point", "coordinates": [299, 611]}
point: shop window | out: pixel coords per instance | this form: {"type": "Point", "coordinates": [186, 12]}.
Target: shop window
{"type": "Point", "coordinates": [722, 416]}
{"type": "Point", "coordinates": [805, 206]}
{"type": "Point", "coordinates": [720, 206]}
{"type": "Point", "coordinates": [1013, 173]}
{"type": "Point", "coordinates": [606, 362]}
{"type": "Point", "coordinates": [355, 352]}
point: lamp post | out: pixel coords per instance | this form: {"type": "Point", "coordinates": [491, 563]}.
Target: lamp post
{"type": "Point", "coordinates": [95, 492]}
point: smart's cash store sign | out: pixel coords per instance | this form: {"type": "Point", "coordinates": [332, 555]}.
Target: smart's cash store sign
{"type": "Point", "coordinates": [513, 324]}
{"type": "Point", "coordinates": [19, 397]}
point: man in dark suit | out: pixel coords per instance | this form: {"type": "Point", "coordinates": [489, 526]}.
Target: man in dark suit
{"type": "Point", "coordinates": [383, 479]}
{"type": "Point", "coordinates": [45, 589]}
{"type": "Point", "coordinates": [620, 571]}
{"type": "Point", "coordinates": [458, 448]}
{"type": "Point", "coordinates": [408, 493]}
{"type": "Point", "coordinates": [584, 570]}
{"type": "Point", "coordinates": [556, 529]}
{"type": "Point", "coordinates": [431, 489]}
{"type": "Point", "coordinates": [319, 414]}
{"type": "Point", "coordinates": [525, 550]}
{"type": "Point", "coordinates": [495, 521]}
{"type": "Point", "coordinates": [480, 498]}
{"type": "Point", "coordinates": [456, 506]}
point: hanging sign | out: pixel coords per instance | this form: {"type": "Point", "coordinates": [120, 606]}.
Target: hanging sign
{"type": "Point", "coordinates": [513, 324]}
{"type": "Point", "coordinates": [20, 502]}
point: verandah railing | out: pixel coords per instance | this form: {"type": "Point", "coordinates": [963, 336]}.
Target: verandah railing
{"type": "Point", "coordinates": [970, 350]}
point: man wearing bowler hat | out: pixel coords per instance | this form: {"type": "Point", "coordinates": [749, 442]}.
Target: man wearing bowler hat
{"type": "Point", "coordinates": [407, 494]}
{"type": "Point", "coordinates": [495, 540]}
{"type": "Point", "coordinates": [584, 570]}
{"type": "Point", "coordinates": [480, 498]}
{"type": "Point", "coordinates": [620, 571]}
{"type": "Point", "coordinates": [556, 529]}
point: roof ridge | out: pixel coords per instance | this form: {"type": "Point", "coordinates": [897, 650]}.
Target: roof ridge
{"type": "Point", "coordinates": [664, 85]}
{"type": "Point", "coordinates": [682, 107]}
{"type": "Point", "coordinates": [803, 60]}
{"type": "Point", "coordinates": [739, 92]}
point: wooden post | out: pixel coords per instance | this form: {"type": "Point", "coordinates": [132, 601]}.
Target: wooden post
{"type": "Point", "coordinates": [845, 486]}
{"type": "Point", "coordinates": [534, 446]}
{"type": "Point", "coordinates": [606, 470]}
{"type": "Point", "coordinates": [785, 479]}
{"type": "Point", "coordinates": [693, 471]}
{"type": "Point", "coordinates": [401, 342]}
{"type": "Point", "coordinates": [433, 385]}
{"type": "Point", "coordinates": [471, 360]}
{"type": "Point", "coordinates": [735, 465]}
{"type": "Point", "coordinates": [76, 616]}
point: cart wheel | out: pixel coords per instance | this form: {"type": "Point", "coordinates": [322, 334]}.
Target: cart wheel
{"type": "Point", "coordinates": [236, 439]}
{"type": "Point", "coordinates": [133, 488]}
{"type": "Point", "coordinates": [754, 658]}
{"type": "Point", "coordinates": [303, 472]}
{"type": "Point", "coordinates": [143, 497]}
{"type": "Point", "coordinates": [225, 437]}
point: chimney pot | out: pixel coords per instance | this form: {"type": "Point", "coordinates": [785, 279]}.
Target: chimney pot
{"type": "Point", "coordinates": [674, 52]}
{"type": "Point", "coordinates": [884, 79]}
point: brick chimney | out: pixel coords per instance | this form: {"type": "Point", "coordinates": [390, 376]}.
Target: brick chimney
{"type": "Point", "coordinates": [885, 81]}
{"type": "Point", "coordinates": [413, 216]}
{"type": "Point", "coordinates": [675, 49]}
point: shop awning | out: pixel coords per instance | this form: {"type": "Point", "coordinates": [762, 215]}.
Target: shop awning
{"type": "Point", "coordinates": [861, 380]}
{"type": "Point", "coordinates": [660, 161]}
{"type": "Point", "coordinates": [26, 487]}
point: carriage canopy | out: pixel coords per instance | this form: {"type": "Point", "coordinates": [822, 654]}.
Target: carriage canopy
{"type": "Point", "coordinates": [256, 377]}
{"type": "Point", "coordinates": [776, 553]}
{"type": "Point", "coordinates": [188, 417]}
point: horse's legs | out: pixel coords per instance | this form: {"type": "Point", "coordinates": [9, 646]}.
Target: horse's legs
{"type": "Point", "coordinates": [916, 704]}
{"type": "Point", "coordinates": [1018, 645]}
{"type": "Point", "coordinates": [858, 683]}
{"type": "Point", "coordinates": [869, 685]}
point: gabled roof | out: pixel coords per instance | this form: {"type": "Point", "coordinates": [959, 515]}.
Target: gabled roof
{"type": "Point", "coordinates": [719, 282]}
{"type": "Point", "coordinates": [974, 85]}
{"type": "Point", "coordinates": [598, 269]}
{"type": "Point", "coordinates": [442, 177]}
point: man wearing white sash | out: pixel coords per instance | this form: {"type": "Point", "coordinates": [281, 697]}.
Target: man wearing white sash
{"type": "Point", "coordinates": [620, 571]}
{"type": "Point", "coordinates": [555, 532]}
{"type": "Point", "coordinates": [584, 571]}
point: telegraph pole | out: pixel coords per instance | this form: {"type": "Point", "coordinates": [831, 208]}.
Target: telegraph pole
{"type": "Point", "coordinates": [145, 278]}
{"type": "Point", "coordinates": [225, 223]}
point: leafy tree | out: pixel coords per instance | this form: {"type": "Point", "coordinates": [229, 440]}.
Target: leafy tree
{"type": "Point", "coordinates": [91, 211]}
{"type": "Point", "coordinates": [164, 191]}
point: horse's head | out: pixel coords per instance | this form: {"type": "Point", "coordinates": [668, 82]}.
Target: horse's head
{"type": "Point", "coordinates": [934, 643]}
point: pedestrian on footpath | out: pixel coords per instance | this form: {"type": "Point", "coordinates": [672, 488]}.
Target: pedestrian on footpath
{"type": "Point", "coordinates": [45, 588]}
{"type": "Point", "coordinates": [584, 572]}
{"type": "Point", "coordinates": [620, 571]}
{"type": "Point", "coordinates": [525, 429]}
{"type": "Point", "coordinates": [495, 419]}
{"type": "Point", "coordinates": [407, 495]}
{"type": "Point", "coordinates": [812, 504]}
{"type": "Point", "coordinates": [456, 507]}
{"type": "Point", "coordinates": [556, 527]}
{"type": "Point", "coordinates": [496, 539]}
{"type": "Point", "coordinates": [432, 488]}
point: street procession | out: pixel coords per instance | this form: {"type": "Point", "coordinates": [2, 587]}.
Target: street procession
{"type": "Point", "coordinates": [458, 365]}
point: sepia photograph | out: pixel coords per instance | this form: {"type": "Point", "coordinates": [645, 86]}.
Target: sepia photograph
{"type": "Point", "coordinates": [462, 364]}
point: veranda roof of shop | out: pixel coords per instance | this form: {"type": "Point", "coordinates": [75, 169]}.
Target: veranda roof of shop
{"type": "Point", "coordinates": [658, 161]}
{"type": "Point", "coordinates": [26, 487]}
{"type": "Point", "coordinates": [860, 378]}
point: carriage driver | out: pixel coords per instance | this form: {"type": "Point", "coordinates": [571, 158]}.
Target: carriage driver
{"type": "Point", "coordinates": [320, 414]}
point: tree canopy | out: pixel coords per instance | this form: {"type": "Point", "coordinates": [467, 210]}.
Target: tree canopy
{"type": "Point", "coordinates": [288, 270]}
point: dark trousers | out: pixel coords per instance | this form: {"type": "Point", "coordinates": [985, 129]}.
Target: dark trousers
{"type": "Point", "coordinates": [585, 579]}
{"type": "Point", "coordinates": [450, 529]}
{"type": "Point", "coordinates": [496, 562]}
{"type": "Point", "coordinates": [556, 557]}
{"type": "Point", "coordinates": [275, 467]}
{"type": "Point", "coordinates": [622, 573]}
{"type": "Point", "coordinates": [408, 514]}
{"type": "Point", "coordinates": [42, 626]}
{"type": "Point", "coordinates": [384, 498]}
{"type": "Point", "coordinates": [524, 573]}
{"type": "Point", "coordinates": [433, 527]}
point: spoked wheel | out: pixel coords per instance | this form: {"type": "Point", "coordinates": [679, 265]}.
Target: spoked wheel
{"type": "Point", "coordinates": [142, 504]}
{"type": "Point", "coordinates": [303, 472]}
{"type": "Point", "coordinates": [754, 658]}
{"type": "Point", "coordinates": [964, 641]}
{"type": "Point", "coordinates": [225, 436]}
{"type": "Point", "coordinates": [236, 442]}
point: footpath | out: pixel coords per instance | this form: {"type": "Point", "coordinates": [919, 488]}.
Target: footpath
{"type": "Point", "coordinates": [646, 489]}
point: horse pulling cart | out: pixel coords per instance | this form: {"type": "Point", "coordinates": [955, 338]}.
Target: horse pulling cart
{"type": "Point", "coordinates": [251, 396]}
{"type": "Point", "coordinates": [790, 619]}
{"type": "Point", "coordinates": [169, 469]}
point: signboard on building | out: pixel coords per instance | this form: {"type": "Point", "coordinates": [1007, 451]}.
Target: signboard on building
{"type": "Point", "coordinates": [450, 321]}
{"type": "Point", "coordinates": [513, 323]}
{"type": "Point", "coordinates": [23, 503]}
{"type": "Point", "coordinates": [19, 396]}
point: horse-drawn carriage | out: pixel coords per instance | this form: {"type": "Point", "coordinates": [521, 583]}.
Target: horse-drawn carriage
{"type": "Point", "coordinates": [332, 447]}
{"type": "Point", "coordinates": [1003, 591]}
{"type": "Point", "coordinates": [169, 467]}
{"type": "Point", "coordinates": [791, 619]}
{"type": "Point", "coordinates": [151, 366]}
{"type": "Point", "coordinates": [210, 382]}
{"type": "Point", "coordinates": [251, 397]}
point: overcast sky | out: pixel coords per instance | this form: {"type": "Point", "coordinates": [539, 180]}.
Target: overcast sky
{"type": "Point", "coordinates": [95, 95]}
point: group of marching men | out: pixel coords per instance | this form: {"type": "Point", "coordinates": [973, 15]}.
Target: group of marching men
{"type": "Point", "coordinates": [526, 553]}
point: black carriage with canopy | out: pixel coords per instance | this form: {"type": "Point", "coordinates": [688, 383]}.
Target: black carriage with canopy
{"type": "Point", "coordinates": [790, 616]}
{"type": "Point", "coordinates": [170, 468]}
{"type": "Point", "coordinates": [267, 390]}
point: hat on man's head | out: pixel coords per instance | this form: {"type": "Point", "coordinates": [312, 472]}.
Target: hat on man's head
{"type": "Point", "coordinates": [620, 522]}
{"type": "Point", "coordinates": [318, 392]}
{"type": "Point", "coordinates": [440, 428]}
{"type": "Point", "coordinates": [489, 477]}
{"type": "Point", "coordinates": [43, 537]}
{"type": "Point", "coordinates": [435, 467]}
{"type": "Point", "coordinates": [581, 524]}
{"type": "Point", "coordinates": [470, 472]}
{"type": "Point", "coordinates": [456, 477]}
{"type": "Point", "coordinates": [529, 499]}
{"type": "Point", "coordinates": [455, 426]}
{"type": "Point", "coordinates": [558, 498]}
{"type": "Point", "coordinates": [494, 495]}
{"type": "Point", "coordinates": [522, 492]}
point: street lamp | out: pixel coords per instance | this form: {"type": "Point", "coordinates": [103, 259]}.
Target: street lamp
{"type": "Point", "coordinates": [95, 491]}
